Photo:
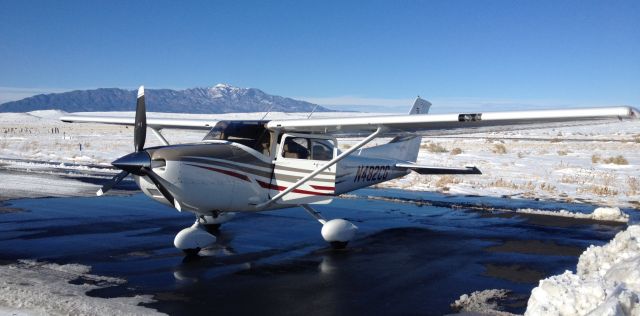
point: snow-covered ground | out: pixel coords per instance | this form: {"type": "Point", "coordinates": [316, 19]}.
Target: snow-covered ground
{"type": "Point", "coordinates": [591, 163]}
{"type": "Point", "coordinates": [606, 283]}
{"type": "Point", "coordinates": [596, 164]}
{"type": "Point", "coordinates": [37, 288]}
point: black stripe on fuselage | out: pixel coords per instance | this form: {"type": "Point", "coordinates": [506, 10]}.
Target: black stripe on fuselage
{"type": "Point", "coordinates": [228, 164]}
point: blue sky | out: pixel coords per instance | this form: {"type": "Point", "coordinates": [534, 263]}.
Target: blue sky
{"type": "Point", "coordinates": [487, 53]}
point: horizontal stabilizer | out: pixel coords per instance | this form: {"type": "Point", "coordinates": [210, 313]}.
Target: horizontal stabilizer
{"type": "Point", "coordinates": [438, 170]}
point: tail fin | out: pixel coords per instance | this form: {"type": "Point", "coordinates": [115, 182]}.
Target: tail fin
{"type": "Point", "coordinates": [420, 106]}
{"type": "Point", "coordinates": [403, 147]}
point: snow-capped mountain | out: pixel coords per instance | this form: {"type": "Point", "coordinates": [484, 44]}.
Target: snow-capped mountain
{"type": "Point", "coordinates": [221, 98]}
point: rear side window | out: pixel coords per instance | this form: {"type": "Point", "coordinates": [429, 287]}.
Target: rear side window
{"type": "Point", "coordinates": [321, 150]}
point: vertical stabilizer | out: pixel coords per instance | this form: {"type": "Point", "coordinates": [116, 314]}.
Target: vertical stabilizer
{"type": "Point", "coordinates": [420, 106]}
{"type": "Point", "coordinates": [403, 147]}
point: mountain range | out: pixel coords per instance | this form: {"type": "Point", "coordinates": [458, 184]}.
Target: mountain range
{"type": "Point", "coordinates": [221, 98]}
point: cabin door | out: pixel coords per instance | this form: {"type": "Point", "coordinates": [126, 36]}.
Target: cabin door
{"type": "Point", "coordinates": [299, 155]}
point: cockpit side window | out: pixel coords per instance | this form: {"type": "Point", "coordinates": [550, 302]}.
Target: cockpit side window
{"type": "Point", "coordinates": [296, 147]}
{"type": "Point", "coordinates": [307, 148]}
{"type": "Point", "coordinates": [249, 133]}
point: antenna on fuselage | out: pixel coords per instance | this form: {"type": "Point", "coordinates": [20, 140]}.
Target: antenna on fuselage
{"type": "Point", "coordinates": [314, 109]}
{"type": "Point", "coordinates": [268, 111]}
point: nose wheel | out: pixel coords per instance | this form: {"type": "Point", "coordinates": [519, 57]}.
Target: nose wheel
{"type": "Point", "coordinates": [192, 239]}
{"type": "Point", "coordinates": [337, 232]}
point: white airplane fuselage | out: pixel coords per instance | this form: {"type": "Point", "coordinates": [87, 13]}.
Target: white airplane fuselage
{"type": "Point", "coordinates": [221, 176]}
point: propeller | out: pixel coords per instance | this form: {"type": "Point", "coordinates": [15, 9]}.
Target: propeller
{"type": "Point", "coordinates": [139, 161]}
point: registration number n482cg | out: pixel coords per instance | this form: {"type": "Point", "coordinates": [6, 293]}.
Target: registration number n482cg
{"type": "Point", "coordinates": [371, 173]}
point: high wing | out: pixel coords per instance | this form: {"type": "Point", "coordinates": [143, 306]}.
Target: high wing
{"type": "Point", "coordinates": [468, 122]}
{"type": "Point", "coordinates": [155, 123]}
{"type": "Point", "coordinates": [425, 124]}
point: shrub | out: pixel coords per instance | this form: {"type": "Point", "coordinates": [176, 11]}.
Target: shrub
{"type": "Point", "coordinates": [618, 160]}
{"type": "Point", "coordinates": [499, 149]}
{"type": "Point", "coordinates": [445, 180]}
{"type": "Point", "coordinates": [456, 151]}
{"type": "Point", "coordinates": [434, 148]}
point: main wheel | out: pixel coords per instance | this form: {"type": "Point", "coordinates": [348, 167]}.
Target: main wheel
{"type": "Point", "coordinates": [338, 245]}
{"type": "Point", "coordinates": [338, 232]}
{"type": "Point", "coordinates": [192, 252]}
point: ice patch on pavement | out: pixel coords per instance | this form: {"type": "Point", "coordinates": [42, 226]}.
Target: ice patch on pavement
{"type": "Point", "coordinates": [613, 214]}
{"type": "Point", "coordinates": [607, 282]}
{"type": "Point", "coordinates": [38, 288]}
{"type": "Point", "coordinates": [481, 303]}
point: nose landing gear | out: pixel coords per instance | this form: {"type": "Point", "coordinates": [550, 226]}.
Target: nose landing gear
{"type": "Point", "coordinates": [192, 239]}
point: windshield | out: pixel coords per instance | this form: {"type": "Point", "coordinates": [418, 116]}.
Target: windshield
{"type": "Point", "coordinates": [249, 133]}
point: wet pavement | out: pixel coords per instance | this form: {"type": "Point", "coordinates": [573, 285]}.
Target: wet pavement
{"type": "Point", "coordinates": [414, 254]}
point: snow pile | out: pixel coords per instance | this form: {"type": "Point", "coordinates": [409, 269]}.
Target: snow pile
{"type": "Point", "coordinates": [613, 214]}
{"type": "Point", "coordinates": [36, 288]}
{"type": "Point", "coordinates": [607, 282]}
{"type": "Point", "coordinates": [481, 302]}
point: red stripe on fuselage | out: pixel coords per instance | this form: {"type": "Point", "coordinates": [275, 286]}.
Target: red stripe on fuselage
{"type": "Point", "coordinates": [281, 188]}
{"type": "Point", "coordinates": [321, 187]}
{"type": "Point", "coordinates": [227, 172]}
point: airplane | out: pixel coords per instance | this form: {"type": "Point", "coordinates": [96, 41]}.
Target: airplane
{"type": "Point", "coordinates": [262, 165]}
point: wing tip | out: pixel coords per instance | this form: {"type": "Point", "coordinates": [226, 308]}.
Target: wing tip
{"type": "Point", "coordinates": [140, 91]}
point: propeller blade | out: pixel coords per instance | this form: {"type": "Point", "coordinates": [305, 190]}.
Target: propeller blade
{"type": "Point", "coordinates": [156, 180]}
{"type": "Point", "coordinates": [140, 130]}
{"type": "Point", "coordinates": [115, 180]}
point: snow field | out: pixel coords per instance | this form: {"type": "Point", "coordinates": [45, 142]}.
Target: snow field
{"type": "Point", "coordinates": [607, 282]}
{"type": "Point", "coordinates": [36, 288]}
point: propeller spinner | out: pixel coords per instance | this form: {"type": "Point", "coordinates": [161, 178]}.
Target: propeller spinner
{"type": "Point", "coordinates": [139, 161]}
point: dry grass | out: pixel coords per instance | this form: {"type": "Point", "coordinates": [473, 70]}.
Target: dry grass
{"type": "Point", "coordinates": [595, 158]}
{"type": "Point", "coordinates": [501, 183]}
{"type": "Point", "coordinates": [563, 152]}
{"type": "Point", "coordinates": [547, 187]}
{"type": "Point", "coordinates": [617, 160]}
{"type": "Point", "coordinates": [555, 140]}
{"type": "Point", "coordinates": [445, 181]}
{"type": "Point", "coordinates": [598, 190]}
{"type": "Point", "coordinates": [456, 151]}
{"type": "Point", "coordinates": [633, 186]}
{"type": "Point", "coordinates": [434, 148]}
{"type": "Point", "coordinates": [499, 149]}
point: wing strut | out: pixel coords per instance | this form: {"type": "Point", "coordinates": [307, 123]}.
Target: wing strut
{"type": "Point", "coordinates": [159, 135]}
{"type": "Point", "coordinates": [317, 171]}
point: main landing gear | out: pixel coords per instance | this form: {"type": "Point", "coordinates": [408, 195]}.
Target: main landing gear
{"type": "Point", "coordinates": [337, 232]}
{"type": "Point", "coordinates": [192, 239]}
